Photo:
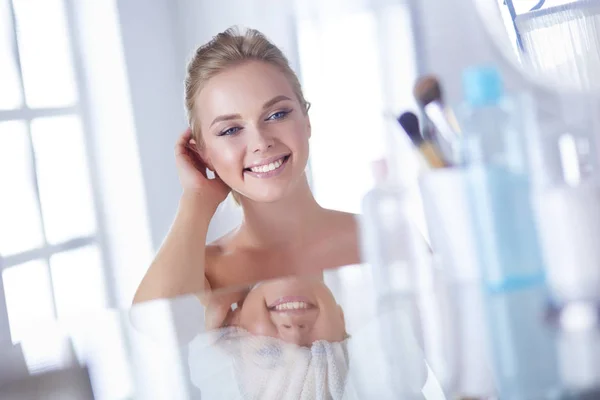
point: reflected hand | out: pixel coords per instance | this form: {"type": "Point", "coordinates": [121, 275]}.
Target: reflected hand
{"type": "Point", "coordinates": [192, 171]}
{"type": "Point", "coordinates": [218, 312]}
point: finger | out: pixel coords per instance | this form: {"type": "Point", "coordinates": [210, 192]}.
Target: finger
{"type": "Point", "coordinates": [182, 141]}
{"type": "Point", "coordinates": [192, 147]}
{"type": "Point", "coordinates": [195, 155]}
{"type": "Point", "coordinates": [185, 137]}
{"type": "Point", "coordinates": [191, 159]}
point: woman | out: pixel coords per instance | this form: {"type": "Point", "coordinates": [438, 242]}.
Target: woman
{"type": "Point", "coordinates": [249, 124]}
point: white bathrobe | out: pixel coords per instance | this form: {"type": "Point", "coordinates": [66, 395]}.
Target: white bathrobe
{"type": "Point", "coordinates": [246, 366]}
{"type": "Point", "coordinates": [233, 364]}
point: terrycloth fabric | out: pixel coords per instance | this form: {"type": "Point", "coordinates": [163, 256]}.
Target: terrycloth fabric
{"type": "Point", "coordinates": [232, 364]}
{"type": "Point", "coordinates": [265, 368]}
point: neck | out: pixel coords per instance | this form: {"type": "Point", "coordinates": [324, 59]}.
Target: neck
{"type": "Point", "coordinates": [286, 221]}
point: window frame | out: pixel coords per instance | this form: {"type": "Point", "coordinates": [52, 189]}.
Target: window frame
{"type": "Point", "coordinates": [27, 115]}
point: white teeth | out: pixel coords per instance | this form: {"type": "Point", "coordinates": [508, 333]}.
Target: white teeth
{"type": "Point", "coordinates": [292, 305]}
{"type": "Point", "coordinates": [267, 168]}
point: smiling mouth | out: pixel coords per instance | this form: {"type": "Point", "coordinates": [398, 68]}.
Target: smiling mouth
{"type": "Point", "coordinates": [292, 304]}
{"type": "Point", "coordinates": [266, 168]}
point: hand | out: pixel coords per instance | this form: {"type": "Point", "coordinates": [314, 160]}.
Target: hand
{"type": "Point", "coordinates": [192, 171]}
{"type": "Point", "coordinates": [218, 311]}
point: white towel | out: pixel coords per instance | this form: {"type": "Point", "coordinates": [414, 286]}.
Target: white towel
{"type": "Point", "coordinates": [258, 367]}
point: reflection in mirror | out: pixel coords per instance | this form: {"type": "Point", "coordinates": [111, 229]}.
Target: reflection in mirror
{"type": "Point", "coordinates": [294, 337]}
{"type": "Point", "coordinates": [315, 337]}
{"type": "Point", "coordinates": [285, 336]}
{"type": "Point", "coordinates": [296, 310]}
{"type": "Point", "coordinates": [555, 38]}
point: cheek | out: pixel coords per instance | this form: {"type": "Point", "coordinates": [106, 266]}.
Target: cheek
{"type": "Point", "coordinates": [260, 329]}
{"type": "Point", "coordinates": [258, 323]}
{"type": "Point", "coordinates": [297, 139]}
{"type": "Point", "coordinates": [331, 328]}
{"type": "Point", "coordinates": [226, 157]}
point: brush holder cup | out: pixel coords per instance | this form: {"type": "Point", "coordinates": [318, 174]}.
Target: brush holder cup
{"type": "Point", "coordinates": [448, 218]}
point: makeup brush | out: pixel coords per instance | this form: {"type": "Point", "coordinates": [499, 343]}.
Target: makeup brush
{"type": "Point", "coordinates": [410, 124]}
{"type": "Point", "coordinates": [428, 93]}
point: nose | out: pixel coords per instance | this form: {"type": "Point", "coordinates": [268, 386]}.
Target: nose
{"type": "Point", "coordinates": [296, 333]}
{"type": "Point", "coordinates": [260, 141]}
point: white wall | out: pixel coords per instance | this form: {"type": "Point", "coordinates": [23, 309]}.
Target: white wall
{"type": "Point", "coordinates": [4, 326]}
{"type": "Point", "coordinates": [451, 37]}
{"type": "Point", "coordinates": [155, 71]}
{"type": "Point", "coordinates": [201, 20]}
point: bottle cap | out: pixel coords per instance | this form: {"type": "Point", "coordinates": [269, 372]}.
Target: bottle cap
{"type": "Point", "coordinates": [379, 168]}
{"type": "Point", "coordinates": [482, 86]}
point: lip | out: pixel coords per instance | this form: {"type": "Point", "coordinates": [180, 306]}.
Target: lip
{"type": "Point", "coordinates": [289, 299]}
{"type": "Point", "coordinates": [270, 174]}
{"type": "Point", "coordinates": [266, 161]}
{"type": "Point", "coordinates": [300, 311]}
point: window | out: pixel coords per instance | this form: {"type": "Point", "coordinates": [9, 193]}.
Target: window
{"type": "Point", "coordinates": [50, 254]}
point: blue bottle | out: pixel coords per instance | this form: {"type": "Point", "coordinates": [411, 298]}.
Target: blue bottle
{"type": "Point", "coordinates": [508, 250]}
{"type": "Point", "coordinates": [499, 184]}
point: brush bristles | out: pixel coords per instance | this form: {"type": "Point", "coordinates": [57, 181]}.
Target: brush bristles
{"type": "Point", "coordinates": [410, 124]}
{"type": "Point", "coordinates": [427, 90]}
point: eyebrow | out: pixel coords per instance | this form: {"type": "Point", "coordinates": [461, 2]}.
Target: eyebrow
{"type": "Point", "coordinates": [275, 100]}
{"type": "Point", "coordinates": [268, 104]}
{"type": "Point", "coordinates": [227, 117]}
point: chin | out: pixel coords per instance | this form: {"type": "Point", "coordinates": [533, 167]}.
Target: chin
{"type": "Point", "coordinates": [271, 196]}
{"type": "Point", "coordinates": [271, 190]}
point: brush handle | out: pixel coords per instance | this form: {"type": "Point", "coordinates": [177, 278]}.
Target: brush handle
{"type": "Point", "coordinates": [431, 155]}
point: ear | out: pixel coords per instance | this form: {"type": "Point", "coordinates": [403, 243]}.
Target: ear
{"type": "Point", "coordinates": [204, 157]}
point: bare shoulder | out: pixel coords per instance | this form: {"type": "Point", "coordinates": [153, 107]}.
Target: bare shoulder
{"type": "Point", "coordinates": [342, 221]}
{"type": "Point", "coordinates": [343, 227]}
{"type": "Point", "coordinates": [219, 255]}
{"type": "Point", "coordinates": [218, 248]}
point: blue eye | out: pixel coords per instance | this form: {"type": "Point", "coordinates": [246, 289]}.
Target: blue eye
{"type": "Point", "coordinates": [230, 131]}
{"type": "Point", "coordinates": [278, 115]}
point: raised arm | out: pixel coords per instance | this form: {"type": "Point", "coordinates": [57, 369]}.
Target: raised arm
{"type": "Point", "coordinates": [179, 265]}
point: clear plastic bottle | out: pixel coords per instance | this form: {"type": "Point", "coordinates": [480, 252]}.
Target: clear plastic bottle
{"type": "Point", "coordinates": [385, 235]}
{"type": "Point", "coordinates": [415, 326]}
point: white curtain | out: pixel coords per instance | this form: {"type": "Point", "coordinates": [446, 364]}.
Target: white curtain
{"type": "Point", "coordinates": [563, 43]}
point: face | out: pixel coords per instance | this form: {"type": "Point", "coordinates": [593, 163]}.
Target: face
{"type": "Point", "coordinates": [296, 310]}
{"type": "Point", "coordinates": [254, 130]}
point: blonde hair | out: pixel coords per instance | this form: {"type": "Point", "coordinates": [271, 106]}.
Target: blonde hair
{"type": "Point", "coordinates": [228, 49]}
